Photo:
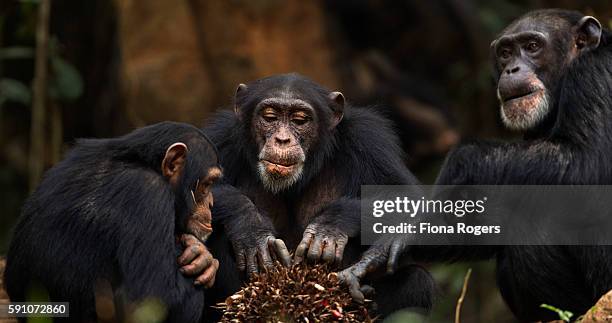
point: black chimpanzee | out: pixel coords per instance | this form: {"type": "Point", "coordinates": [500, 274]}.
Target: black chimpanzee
{"type": "Point", "coordinates": [554, 83]}
{"type": "Point", "coordinates": [295, 157]}
{"type": "Point", "coordinates": [112, 214]}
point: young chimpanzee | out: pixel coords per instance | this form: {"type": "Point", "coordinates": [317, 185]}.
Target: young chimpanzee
{"type": "Point", "coordinates": [554, 83]}
{"type": "Point", "coordinates": [295, 157]}
{"type": "Point", "coordinates": [112, 214]}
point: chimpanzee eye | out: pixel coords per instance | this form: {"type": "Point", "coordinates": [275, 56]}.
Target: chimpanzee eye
{"type": "Point", "coordinates": [299, 119]}
{"type": "Point", "coordinates": [268, 114]}
{"type": "Point", "coordinates": [269, 117]}
{"type": "Point", "coordinates": [505, 53]}
{"type": "Point", "coordinates": [532, 46]}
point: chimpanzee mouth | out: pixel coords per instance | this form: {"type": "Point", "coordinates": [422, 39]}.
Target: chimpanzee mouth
{"type": "Point", "coordinates": [282, 165]}
{"type": "Point", "coordinates": [277, 177]}
{"type": "Point", "coordinates": [522, 95]}
{"type": "Point", "coordinates": [280, 169]}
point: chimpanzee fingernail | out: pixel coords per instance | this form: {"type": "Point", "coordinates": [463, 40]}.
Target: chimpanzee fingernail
{"type": "Point", "coordinates": [197, 283]}
{"type": "Point", "coordinates": [182, 270]}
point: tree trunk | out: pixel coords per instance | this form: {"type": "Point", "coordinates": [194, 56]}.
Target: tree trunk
{"type": "Point", "coordinates": [37, 131]}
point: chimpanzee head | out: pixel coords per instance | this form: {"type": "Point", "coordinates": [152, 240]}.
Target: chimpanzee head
{"type": "Point", "coordinates": [530, 57]}
{"type": "Point", "coordinates": [290, 121]}
{"type": "Point", "coordinates": [188, 161]}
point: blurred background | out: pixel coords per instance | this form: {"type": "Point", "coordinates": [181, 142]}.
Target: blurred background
{"type": "Point", "coordinates": [107, 67]}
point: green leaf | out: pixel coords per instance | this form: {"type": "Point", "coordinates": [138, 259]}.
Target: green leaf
{"type": "Point", "coordinates": [16, 52]}
{"type": "Point", "coordinates": [13, 90]}
{"type": "Point", "coordinates": [66, 82]}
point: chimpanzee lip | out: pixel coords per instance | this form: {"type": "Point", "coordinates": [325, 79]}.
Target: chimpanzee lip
{"type": "Point", "coordinates": [521, 96]}
{"type": "Point", "coordinates": [280, 164]}
{"type": "Point", "coordinates": [203, 225]}
{"type": "Point", "coordinates": [207, 226]}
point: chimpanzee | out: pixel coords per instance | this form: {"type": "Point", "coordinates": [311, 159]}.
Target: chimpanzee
{"type": "Point", "coordinates": [554, 83]}
{"type": "Point", "coordinates": [295, 156]}
{"type": "Point", "coordinates": [114, 213]}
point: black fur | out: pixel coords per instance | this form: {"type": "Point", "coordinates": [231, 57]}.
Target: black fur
{"type": "Point", "coordinates": [106, 214]}
{"type": "Point", "coordinates": [361, 150]}
{"type": "Point", "coordinates": [574, 149]}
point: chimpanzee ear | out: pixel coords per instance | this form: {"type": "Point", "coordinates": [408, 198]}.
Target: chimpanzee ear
{"type": "Point", "coordinates": [337, 105]}
{"type": "Point", "coordinates": [239, 90]}
{"type": "Point", "coordinates": [174, 162]}
{"type": "Point", "coordinates": [588, 33]}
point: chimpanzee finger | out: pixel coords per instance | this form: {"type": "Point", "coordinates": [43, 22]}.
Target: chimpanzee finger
{"type": "Point", "coordinates": [263, 256]}
{"type": "Point", "coordinates": [241, 260]}
{"type": "Point", "coordinates": [280, 251]}
{"type": "Point", "coordinates": [367, 291]}
{"type": "Point", "coordinates": [198, 265]}
{"type": "Point", "coordinates": [193, 248]}
{"type": "Point", "coordinates": [314, 252]}
{"type": "Point", "coordinates": [302, 247]}
{"type": "Point", "coordinates": [350, 280]}
{"type": "Point", "coordinates": [251, 261]}
{"type": "Point", "coordinates": [393, 256]}
{"type": "Point", "coordinates": [329, 250]}
{"type": "Point", "coordinates": [211, 282]}
{"type": "Point", "coordinates": [207, 279]}
{"type": "Point", "coordinates": [190, 253]}
{"type": "Point", "coordinates": [188, 239]}
{"type": "Point", "coordinates": [339, 252]}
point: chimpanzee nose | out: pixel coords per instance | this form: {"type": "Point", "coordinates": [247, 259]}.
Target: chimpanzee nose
{"type": "Point", "coordinates": [282, 140]}
{"type": "Point", "coordinates": [282, 136]}
{"type": "Point", "coordinates": [512, 70]}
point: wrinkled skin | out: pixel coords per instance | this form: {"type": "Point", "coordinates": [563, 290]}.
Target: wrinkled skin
{"type": "Point", "coordinates": [322, 242]}
{"type": "Point", "coordinates": [261, 254]}
{"type": "Point", "coordinates": [284, 130]}
{"type": "Point", "coordinates": [199, 222]}
{"type": "Point", "coordinates": [385, 254]}
{"type": "Point", "coordinates": [197, 261]}
{"type": "Point", "coordinates": [529, 59]}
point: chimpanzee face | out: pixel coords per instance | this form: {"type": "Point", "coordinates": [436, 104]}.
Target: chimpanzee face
{"type": "Point", "coordinates": [530, 57]}
{"type": "Point", "coordinates": [287, 116]}
{"type": "Point", "coordinates": [200, 222]}
{"type": "Point", "coordinates": [284, 130]}
{"type": "Point", "coordinates": [174, 168]}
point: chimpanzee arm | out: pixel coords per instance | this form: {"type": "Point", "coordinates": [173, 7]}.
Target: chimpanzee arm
{"type": "Point", "coordinates": [147, 248]}
{"type": "Point", "coordinates": [519, 163]}
{"type": "Point", "coordinates": [490, 163]}
{"type": "Point", "coordinates": [368, 154]}
{"type": "Point", "coordinates": [470, 164]}
{"type": "Point", "coordinates": [251, 233]}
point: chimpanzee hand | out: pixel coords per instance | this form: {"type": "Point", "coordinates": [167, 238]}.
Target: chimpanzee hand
{"type": "Point", "coordinates": [196, 260]}
{"type": "Point", "coordinates": [386, 251]}
{"type": "Point", "coordinates": [322, 241]}
{"type": "Point", "coordinates": [259, 252]}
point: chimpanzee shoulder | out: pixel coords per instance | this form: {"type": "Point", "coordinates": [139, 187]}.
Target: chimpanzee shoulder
{"type": "Point", "coordinates": [370, 149]}
{"type": "Point", "coordinates": [224, 130]}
